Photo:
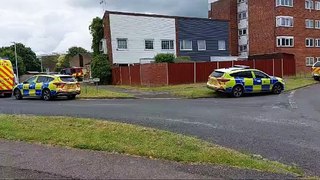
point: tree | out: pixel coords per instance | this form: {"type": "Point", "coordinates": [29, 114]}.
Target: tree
{"type": "Point", "coordinates": [96, 30]}
{"type": "Point", "coordinates": [164, 58]}
{"type": "Point", "coordinates": [73, 51]}
{"type": "Point", "coordinates": [62, 62]}
{"type": "Point", "coordinates": [101, 68]}
{"type": "Point", "coordinates": [6, 52]}
{"type": "Point", "coordinates": [29, 58]}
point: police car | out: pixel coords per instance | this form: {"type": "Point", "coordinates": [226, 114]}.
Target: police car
{"type": "Point", "coordinates": [239, 80]}
{"type": "Point", "coordinates": [48, 87]}
{"type": "Point", "coordinates": [316, 71]}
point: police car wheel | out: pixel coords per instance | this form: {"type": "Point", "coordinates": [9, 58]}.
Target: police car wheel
{"type": "Point", "coordinates": [316, 78]}
{"type": "Point", "coordinates": [277, 89]}
{"type": "Point", "coordinates": [237, 91]}
{"type": "Point", "coordinates": [17, 94]}
{"type": "Point", "coordinates": [46, 95]}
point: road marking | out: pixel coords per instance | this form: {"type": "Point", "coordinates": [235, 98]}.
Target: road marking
{"type": "Point", "coordinates": [292, 103]}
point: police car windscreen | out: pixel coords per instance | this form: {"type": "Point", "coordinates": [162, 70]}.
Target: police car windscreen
{"type": "Point", "coordinates": [217, 74]}
{"type": "Point", "coordinates": [67, 79]}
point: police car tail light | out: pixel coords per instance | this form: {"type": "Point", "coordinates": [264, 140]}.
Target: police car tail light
{"type": "Point", "coordinates": [223, 80]}
{"type": "Point", "coordinates": [59, 85]}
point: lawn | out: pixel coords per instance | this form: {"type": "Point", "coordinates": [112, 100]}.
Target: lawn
{"type": "Point", "coordinates": [129, 139]}
{"type": "Point", "coordinates": [201, 91]}
{"type": "Point", "coordinates": [93, 92]}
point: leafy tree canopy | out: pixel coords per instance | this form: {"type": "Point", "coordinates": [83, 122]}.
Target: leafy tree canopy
{"type": "Point", "coordinates": [96, 30]}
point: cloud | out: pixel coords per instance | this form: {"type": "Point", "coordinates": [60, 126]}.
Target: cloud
{"type": "Point", "coordinates": [54, 26]}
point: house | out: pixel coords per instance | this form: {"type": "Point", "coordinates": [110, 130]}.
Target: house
{"type": "Point", "coordinates": [272, 26]}
{"type": "Point", "coordinates": [136, 38]}
{"type": "Point", "coordinates": [81, 60]}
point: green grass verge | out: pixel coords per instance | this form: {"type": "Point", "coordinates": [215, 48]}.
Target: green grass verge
{"type": "Point", "coordinates": [293, 83]}
{"type": "Point", "coordinates": [201, 91]}
{"type": "Point", "coordinates": [92, 92]}
{"type": "Point", "coordinates": [129, 139]}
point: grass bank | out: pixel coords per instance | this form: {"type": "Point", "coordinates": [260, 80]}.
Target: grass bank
{"type": "Point", "coordinates": [129, 139]}
{"type": "Point", "coordinates": [91, 92]}
{"type": "Point", "coordinates": [201, 91]}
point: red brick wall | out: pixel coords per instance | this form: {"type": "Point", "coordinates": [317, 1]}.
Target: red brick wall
{"type": "Point", "coordinates": [261, 26]}
{"type": "Point", "coordinates": [107, 35]}
{"type": "Point", "coordinates": [154, 74]}
{"type": "Point", "coordinates": [227, 10]}
{"type": "Point", "coordinates": [300, 33]}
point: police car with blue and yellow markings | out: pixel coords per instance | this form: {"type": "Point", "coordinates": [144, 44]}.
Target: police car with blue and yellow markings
{"type": "Point", "coordinates": [48, 87]}
{"type": "Point", "coordinates": [237, 81]}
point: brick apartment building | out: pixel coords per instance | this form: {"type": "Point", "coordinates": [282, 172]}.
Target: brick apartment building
{"type": "Point", "coordinates": [272, 26]}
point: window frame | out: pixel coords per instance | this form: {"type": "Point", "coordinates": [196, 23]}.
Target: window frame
{"type": "Point", "coordinates": [225, 45]}
{"type": "Point", "coordinates": [265, 74]}
{"type": "Point", "coordinates": [236, 75]}
{"type": "Point", "coordinates": [183, 43]}
{"type": "Point", "coordinates": [170, 42]}
{"type": "Point", "coordinates": [317, 42]}
{"type": "Point", "coordinates": [205, 45]}
{"type": "Point", "coordinates": [287, 20]}
{"type": "Point", "coordinates": [243, 50]}
{"type": "Point", "coordinates": [311, 3]}
{"type": "Point", "coordinates": [308, 64]}
{"type": "Point", "coordinates": [241, 17]}
{"type": "Point", "coordinates": [281, 38]}
{"type": "Point", "coordinates": [308, 23]}
{"type": "Point", "coordinates": [308, 42]}
{"type": "Point", "coordinates": [118, 44]}
{"type": "Point", "coordinates": [145, 45]}
{"type": "Point", "coordinates": [280, 4]}
{"type": "Point", "coordinates": [240, 32]}
{"type": "Point", "coordinates": [317, 5]}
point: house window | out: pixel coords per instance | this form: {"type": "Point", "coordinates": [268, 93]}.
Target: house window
{"type": "Point", "coordinates": [122, 44]}
{"type": "Point", "coordinates": [285, 41]}
{"type": "Point", "coordinates": [167, 44]}
{"type": "Point", "coordinates": [309, 42]}
{"type": "Point", "coordinates": [242, 15]}
{"type": "Point", "coordinates": [309, 4]}
{"type": "Point", "coordinates": [243, 48]}
{"type": "Point", "coordinates": [241, 1]}
{"type": "Point", "coordinates": [243, 32]}
{"type": "Point", "coordinates": [288, 3]}
{"type": "Point", "coordinates": [222, 45]}
{"type": "Point", "coordinates": [310, 61]}
{"type": "Point", "coordinates": [318, 60]}
{"type": "Point", "coordinates": [317, 24]}
{"type": "Point", "coordinates": [317, 42]}
{"type": "Point", "coordinates": [186, 45]}
{"type": "Point", "coordinates": [202, 45]}
{"type": "Point", "coordinates": [317, 5]}
{"type": "Point", "coordinates": [309, 23]}
{"type": "Point", "coordinates": [149, 44]}
{"type": "Point", "coordinates": [284, 21]}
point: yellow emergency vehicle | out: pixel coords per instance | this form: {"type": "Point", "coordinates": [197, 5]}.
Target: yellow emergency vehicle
{"type": "Point", "coordinates": [316, 71]}
{"type": "Point", "coordinates": [6, 78]}
{"type": "Point", "coordinates": [237, 81]}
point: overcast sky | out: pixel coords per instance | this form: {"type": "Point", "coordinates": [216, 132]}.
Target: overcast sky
{"type": "Point", "coordinates": [55, 25]}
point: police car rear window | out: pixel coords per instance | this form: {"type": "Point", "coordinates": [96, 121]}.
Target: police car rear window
{"type": "Point", "coordinates": [68, 79]}
{"type": "Point", "coordinates": [317, 64]}
{"type": "Point", "coordinates": [217, 74]}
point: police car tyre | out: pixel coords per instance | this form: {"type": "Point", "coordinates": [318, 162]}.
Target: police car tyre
{"type": "Point", "coordinates": [237, 91]}
{"type": "Point", "coordinates": [17, 94]}
{"type": "Point", "coordinates": [277, 88]}
{"type": "Point", "coordinates": [46, 95]}
{"type": "Point", "coordinates": [71, 97]}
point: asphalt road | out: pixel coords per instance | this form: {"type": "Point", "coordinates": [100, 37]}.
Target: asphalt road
{"type": "Point", "coordinates": [282, 127]}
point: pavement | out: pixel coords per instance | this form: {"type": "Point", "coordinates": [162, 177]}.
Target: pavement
{"type": "Point", "coordinates": [20, 160]}
{"type": "Point", "coordinates": [284, 127]}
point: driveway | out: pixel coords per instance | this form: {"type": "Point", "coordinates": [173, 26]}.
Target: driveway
{"type": "Point", "coordinates": [282, 127]}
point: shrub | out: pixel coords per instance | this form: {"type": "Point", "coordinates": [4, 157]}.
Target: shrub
{"type": "Point", "coordinates": [182, 59]}
{"type": "Point", "coordinates": [164, 58]}
{"type": "Point", "coordinates": [101, 68]}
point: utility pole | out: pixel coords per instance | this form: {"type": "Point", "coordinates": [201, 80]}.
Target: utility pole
{"type": "Point", "coordinates": [16, 57]}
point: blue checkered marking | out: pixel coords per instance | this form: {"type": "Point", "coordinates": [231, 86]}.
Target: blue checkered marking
{"type": "Point", "coordinates": [257, 81]}
{"type": "Point", "coordinates": [265, 88]}
{"type": "Point", "coordinates": [274, 81]}
{"type": "Point", "coordinates": [26, 92]}
{"type": "Point", "coordinates": [32, 86]}
{"type": "Point", "coordinates": [240, 81]}
{"type": "Point", "coordinates": [249, 88]}
{"type": "Point", "coordinates": [229, 90]}
{"type": "Point", "coordinates": [38, 92]}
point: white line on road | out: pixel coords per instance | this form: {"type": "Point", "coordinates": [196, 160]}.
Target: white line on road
{"type": "Point", "coordinates": [292, 103]}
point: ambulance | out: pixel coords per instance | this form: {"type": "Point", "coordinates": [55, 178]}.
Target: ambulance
{"type": "Point", "coordinates": [6, 78]}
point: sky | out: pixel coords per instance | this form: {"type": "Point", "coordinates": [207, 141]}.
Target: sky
{"type": "Point", "coordinates": [52, 26]}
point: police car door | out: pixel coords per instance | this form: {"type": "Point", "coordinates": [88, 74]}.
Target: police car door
{"type": "Point", "coordinates": [29, 86]}
{"type": "Point", "coordinates": [262, 82]}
